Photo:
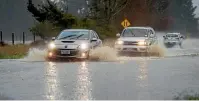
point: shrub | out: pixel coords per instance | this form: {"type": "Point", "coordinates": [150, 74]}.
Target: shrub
{"type": "Point", "coordinates": [187, 95]}
{"type": "Point", "coordinates": [104, 31]}
{"type": "Point", "coordinates": [45, 29]}
{"type": "Point", "coordinates": [3, 44]}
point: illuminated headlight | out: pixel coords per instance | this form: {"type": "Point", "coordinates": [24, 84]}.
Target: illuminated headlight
{"type": "Point", "coordinates": [119, 42]}
{"type": "Point", "coordinates": [52, 45]}
{"type": "Point", "coordinates": [83, 46]}
{"type": "Point", "coordinates": [142, 43]}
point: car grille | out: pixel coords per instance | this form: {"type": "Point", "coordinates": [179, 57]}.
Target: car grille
{"type": "Point", "coordinates": [68, 41]}
{"type": "Point", "coordinates": [135, 49]}
{"type": "Point", "coordinates": [130, 43]}
{"type": "Point", "coordinates": [73, 52]}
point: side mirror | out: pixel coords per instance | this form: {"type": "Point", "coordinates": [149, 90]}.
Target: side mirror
{"type": "Point", "coordinates": [118, 34]}
{"type": "Point", "coordinates": [182, 37]}
{"type": "Point", "coordinates": [53, 38]}
{"type": "Point", "coordinates": [93, 39]}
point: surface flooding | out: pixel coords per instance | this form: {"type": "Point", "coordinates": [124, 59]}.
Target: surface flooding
{"type": "Point", "coordinates": [110, 78]}
{"type": "Point", "coordinates": [190, 47]}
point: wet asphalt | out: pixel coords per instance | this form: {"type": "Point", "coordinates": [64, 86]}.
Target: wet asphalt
{"type": "Point", "coordinates": [137, 78]}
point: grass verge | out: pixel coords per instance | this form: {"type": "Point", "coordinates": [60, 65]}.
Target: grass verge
{"type": "Point", "coordinates": [187, 95]}
{"type": "Point", "coordinates": [13, 51]}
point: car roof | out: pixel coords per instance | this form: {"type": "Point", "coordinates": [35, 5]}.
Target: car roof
{"type": "Point", "coordinates": [76, 30]}
{"type": "Point", "coordinates": [139, 28]}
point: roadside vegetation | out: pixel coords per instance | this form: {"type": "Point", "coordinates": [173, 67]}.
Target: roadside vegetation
{"type": "Point", "coordinates": [18, 51]}
{"type": "Point", "coordinates": [13, 51]}
{"type": "Point", "coordinates": [51, 19]}
{"type": "Point", "coordinates": [187, 95]}
{"type": "Point", "coordinates": [105, 16]}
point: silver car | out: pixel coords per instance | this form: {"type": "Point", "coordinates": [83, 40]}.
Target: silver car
{"type": "Point", "coordinates": [136, 39]}
{"type": "Point", "coordinates": [172, 39]}
{"type": "Point", "coordinates": [73, 43]}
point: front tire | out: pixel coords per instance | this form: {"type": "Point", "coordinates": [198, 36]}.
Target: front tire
{"type": "Point", "coordinates": [180, 44]}
{"type": "Point", "coordinates": [49, 59]}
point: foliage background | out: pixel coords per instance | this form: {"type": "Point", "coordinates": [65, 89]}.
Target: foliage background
{"type": "Point", "coordinates": [105, 16]}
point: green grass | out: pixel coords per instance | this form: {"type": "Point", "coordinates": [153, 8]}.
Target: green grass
{"type": "Point", "coordinates": [17, 56]}
{"type": "Point", "coordinates": [187, 96]}
{"type": "Point", "coordinates": [13, 51]}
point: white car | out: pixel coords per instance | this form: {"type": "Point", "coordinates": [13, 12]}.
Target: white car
{"type": "Point", "coordinates": [73, 43]}
{"type": "Point", "coordinates": [171, 39]}
{"type": "Point", "coordinates": [136, 39]}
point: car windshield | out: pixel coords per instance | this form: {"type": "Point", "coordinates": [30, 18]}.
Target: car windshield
{"type": "Point", "coordinates": [171, 35]}
{"type": "Point", "coordinates": [135, 33]}
{"type": "Point", "coordinates": [75, 35]}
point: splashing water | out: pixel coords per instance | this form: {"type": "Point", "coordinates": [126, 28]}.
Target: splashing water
{"type": "Point", "coordinates": [36, 54]}
{"type": "Point", "coordinates": [104, 53]}
{"type": "Point", "coordinates": [189, 47]}
{"type": "Point", "coordinates": [108, 53]}
{"type": "Point", "coordinates": [157, 50]}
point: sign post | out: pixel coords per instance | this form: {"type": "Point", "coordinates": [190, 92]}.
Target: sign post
{"type": "Point", "coordinates": [125, 23]}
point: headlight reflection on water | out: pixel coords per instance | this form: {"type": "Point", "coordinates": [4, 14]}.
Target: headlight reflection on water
{"type": "Point", "coordinates": [52, 91]}
{"type": "Point", "coordinates": [142, 78]}
{"type": "Point", "coordinates": [83, 87]}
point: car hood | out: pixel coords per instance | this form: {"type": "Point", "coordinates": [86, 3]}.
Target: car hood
{"type": "Point", "coordinates": [132, 38]}
{"type": "Point", "coordinates": [77, 42]}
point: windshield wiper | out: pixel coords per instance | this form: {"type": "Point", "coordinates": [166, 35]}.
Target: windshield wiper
{"type": "Point", "coordinates": [67, 37]}
{"type": "Point", "coordinates": [77, 37]}
{"type": "Point", "coordinates": [132, 33]}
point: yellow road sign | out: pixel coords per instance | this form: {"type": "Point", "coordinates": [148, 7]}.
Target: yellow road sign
{"type": "Point", "coordinates": [125, 23]}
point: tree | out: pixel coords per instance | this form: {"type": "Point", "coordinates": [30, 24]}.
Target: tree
{"type": "Point", "coordinates": [45, 29]}
{"type": "Point", "coordinates": [175, 15]}
{"type": "Point", "coordinates": [182, 11]}
{"type": "Point", "coordinates": [51, 13]}
{"type": "Point", "coordinates": [105, 10]}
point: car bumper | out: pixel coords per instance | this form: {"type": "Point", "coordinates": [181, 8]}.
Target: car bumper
{"type": "Point", "coordinates": [171, 41]}
{"type": "Point", "coordinates": [73, 54]}
{"type": "Point", "coordinates": [130, 49]}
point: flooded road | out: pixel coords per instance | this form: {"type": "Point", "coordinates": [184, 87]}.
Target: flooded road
{"type": "Point", "coordinates": [110, 78]}
{"type": "Point", "coordinates": [136, 79]}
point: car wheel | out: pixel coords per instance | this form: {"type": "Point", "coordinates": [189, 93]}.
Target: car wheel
{"type": "Point", "coordinates": [50, 59]}
{"type": "Point", "coordinates": [88, 55]}
{"type": "Point", "coordinates": [148, 52]}
{"type": "Point", "coordinates": [180, 45]}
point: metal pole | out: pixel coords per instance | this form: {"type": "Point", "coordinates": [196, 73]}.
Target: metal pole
{"type": "Point", "coordinates": [23, 38]}
{"type": "Point", "coordinates": [34, 37]}
{"type": "Point", "coordinates": [13, 40]}
{"type": "Point", "coordinates": [1, 36]}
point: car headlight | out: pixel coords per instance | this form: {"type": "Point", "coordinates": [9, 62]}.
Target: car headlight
{"type": "Point", "coordinates": [142, 43]}
{"type": "Point", "coordinates": [119, 42]}
{"type": "Point", "coordinates": [83, 46]}
{"type": "Point", "coordinates": [52, 45]}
